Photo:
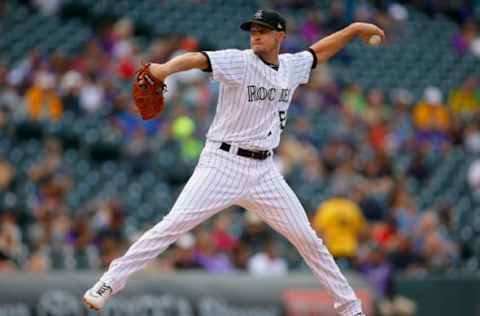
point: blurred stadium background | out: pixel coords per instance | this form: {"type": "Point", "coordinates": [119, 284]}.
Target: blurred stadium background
{"type": "Point", "coordinates": [382, 147]}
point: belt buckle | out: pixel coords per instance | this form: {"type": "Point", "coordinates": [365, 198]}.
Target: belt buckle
{"type": "Point", "coordinates": [234, 148]}
{"type": "Point", "coordinates": [252, 154]}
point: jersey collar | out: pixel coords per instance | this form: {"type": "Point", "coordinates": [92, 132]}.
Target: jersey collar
{"type": "Point", "coordinates": [273, 66]}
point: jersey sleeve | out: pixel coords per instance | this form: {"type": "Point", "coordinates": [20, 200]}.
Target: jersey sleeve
{"type": "Point", "coordinates": [301, 64]}
{"type": "Point", "coordinates": [227, 66]}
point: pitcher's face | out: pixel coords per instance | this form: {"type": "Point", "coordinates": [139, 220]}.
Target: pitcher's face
{"type": "Point", "coordinates": [264, 40]}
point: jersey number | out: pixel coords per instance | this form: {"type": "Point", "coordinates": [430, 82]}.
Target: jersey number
{"type": "Point", "coordinates": [283, 119]}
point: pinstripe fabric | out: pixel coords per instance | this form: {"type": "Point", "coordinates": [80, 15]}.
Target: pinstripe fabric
{"type": "Point", "coordinates": [215, 185]}
{"type": "Point", "coordinates": [250, 123]}
{"type": "Point", "coordinates": [222, 179]}
{"type": "Point", "coordinates": [271, 198]}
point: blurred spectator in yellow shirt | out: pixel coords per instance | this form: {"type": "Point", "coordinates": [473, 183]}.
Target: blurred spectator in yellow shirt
{"type": "Point", "coordinates": [340, 222]}
{"type": "Point", "coordinates": [465, 100]}
{"type": "Point", "coordinates": [41, 99]}
{"type": "Point", "coordinates": [432, 119]}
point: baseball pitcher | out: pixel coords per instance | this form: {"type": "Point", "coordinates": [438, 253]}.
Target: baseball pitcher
{"type": "Point", "coordinates": [236, 165]}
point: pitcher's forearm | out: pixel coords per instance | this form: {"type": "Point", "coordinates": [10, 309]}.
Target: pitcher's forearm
{"type": "Point", "coordinates": [179, 63]}
{"type": "Point", "coordinates": [330, 45]}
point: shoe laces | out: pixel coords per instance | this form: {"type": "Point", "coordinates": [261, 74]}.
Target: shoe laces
{"type": "Point", "coordinates": [104, 289]}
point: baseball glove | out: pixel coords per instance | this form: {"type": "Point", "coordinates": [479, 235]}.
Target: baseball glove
{"type": "Point", "coordinates": [148, 93]}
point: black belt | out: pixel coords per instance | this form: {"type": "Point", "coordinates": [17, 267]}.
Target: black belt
{"type": "Point", "coordinates": [260, 155]}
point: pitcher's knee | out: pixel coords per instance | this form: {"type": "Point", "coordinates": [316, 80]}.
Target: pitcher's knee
{"type": "Point", "coordinates": [310, 240]}
{"type": "Point", "coordinates": [170, 227]}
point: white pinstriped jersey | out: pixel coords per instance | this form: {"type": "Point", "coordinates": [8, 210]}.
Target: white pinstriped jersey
{"type": "Point", "coordinates": [254, 98]}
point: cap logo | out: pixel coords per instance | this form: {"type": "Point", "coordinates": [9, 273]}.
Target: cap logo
{"type": "Point", "coordinates": [259, 15]}
{"type": "Point", "coordinates": [279, 26]}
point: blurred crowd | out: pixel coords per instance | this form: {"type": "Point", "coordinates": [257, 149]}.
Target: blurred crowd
{"type": "Point", "coordinates": [346, 140]}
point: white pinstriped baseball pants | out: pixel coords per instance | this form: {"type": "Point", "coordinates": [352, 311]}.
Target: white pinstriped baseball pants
{"type": "Point", "coordinates": [222, 179]}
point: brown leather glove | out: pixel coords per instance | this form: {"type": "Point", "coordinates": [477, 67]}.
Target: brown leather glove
{"type": "Point", "coordinates": [148, 93]}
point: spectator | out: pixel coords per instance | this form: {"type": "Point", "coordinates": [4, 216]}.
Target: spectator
{"type": "Point", "coordinates": [353, 100]}
{"type": "Point", "coordinates": [269, 262]}
{"type": "Point", "coordinates": [109, 226]}
{"type": "Point", "coordinates": [464, 41]}
{"type": "Point", "coordinates": [4, 122]}
{"type": "Point", "coordinates": [426, 224]}
{"type": "Point", "coordinates": [294, 42]}
{"type": "Point", "coordinates": [376, 111]}
{"type": "Point", "coordinates": [440, 253]}
{"type": "Point", "coordinates": [123, 30]}
{"type": "Point", "coordinates": [403, 257]}
{"type": "Point", "coordinates": [404, 210]}
{"type": "Point", "coordinates": [210, 257]}
{"type": "Point", "coordinates": [401, 128]}
{"type": "Point", "coordinates": [47, 234]}
{"type": "Point", "coordinates": [221, 234]}
{"type": "Point", "coordinates": [255, 231]}
{"type": "Point", "coordinates": [446, 215]}
{"type": "Point", "coordinates": [465, 100]}
{"type": "Point", "coordinates": [11, 239]}
{"type": "Point", "coordinates": [377, 185]}
{"type": "Point", "coordinates": [91, 95]}
{"type": "Point", "coordinates": [384, 233]}
{"type": "Point", "coordinates": [378, 136]}
{"type": "Point", "coordinates": [6, 264]}
{"type": "Point", "coordinates": [123, 116]}
{"type": "Point", "coordinates": [183, 129]}
{"type": "Point", "coordinates": [372, 204]}
{"type": "Point", "coordinates": [48, 7]}
{"type": "Point", "coordinates": [184, 253]}
{"type": "Point", "coordinates": [312, 28]}
{"type": "Point", "coordinates": [39, 260]}
{"type": "Point", "coordinates": [376, 269]}
{"type": "Point", "coordinates": [51, 163]}
{"type": "Point", "coordinates": [241, 256]}
{"type": "Point", "coordinates": [340, 160]}
{"type": "Point", "coordinates": [432, 120]}
{"type": "Point", "coordinates": [378, 272]}
{"type": "Point", "coordinates": [41, 99]}
{"type": "Point", "coordinates": [10, 101]}
{"type": "Point", "coordinates": [291, 154]}
{"type": "Point", "coordinates": [336, 17]}
{"type": "Point", "coordinates": [109, 219]}
{"type": "Point", "coordinates": [136, 132]}
{"type": "Point", "coordinates": [419, 168]}
{"type": "Point", "coordinates": [7, 174]}
{"type": "Point", "coordinates": [313, 171]}
{"type": "Point", "coordinates": [51, 197]}
{"type": "Point", "coordinates": [81, 238]}
{"type": "Point", "coordinates": [58, 63]}
{"type": "Point", "coordinates": [473, 176]}
{"type": "Point", "coordinates": [70, 86]}
{"type": "Point", "coordinates": [471, 138]}
{"type": "Point", "coordinates": [109, 249]}
{"type": "Point", "coordinates": [397, 22]}
{"type": "Point", "coordinates": [340, 222]}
